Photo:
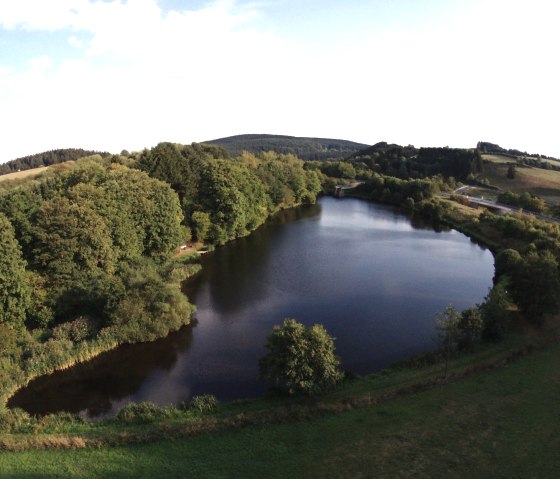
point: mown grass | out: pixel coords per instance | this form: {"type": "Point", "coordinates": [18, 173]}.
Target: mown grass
{"type": "Point", "coordinates": [502, 422]}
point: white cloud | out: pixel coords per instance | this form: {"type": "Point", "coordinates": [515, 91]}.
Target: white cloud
{"type": "Point", "coordinates": [144, 76]}
{"type": "Point", "coordinates": [75, 41]}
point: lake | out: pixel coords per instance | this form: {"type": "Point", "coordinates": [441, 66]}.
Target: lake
{"type": "Point", "coordinates": [371, 275]}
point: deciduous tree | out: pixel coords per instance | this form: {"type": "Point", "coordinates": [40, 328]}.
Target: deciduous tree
{"type": "Point", "coordinates": [15, 293]}
{"type": "Point", "coordinates": [300, 359]}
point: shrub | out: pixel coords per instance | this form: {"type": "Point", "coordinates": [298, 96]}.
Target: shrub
{"type": "Point", "coordinates": [141, 412]}
{"type": "Point", "coordinates": [78, 330]}
{"type": "Point", "coordinates": [204, 403]}
{"type": "Point", "coordinates": [53, 422]}
{"type": "Point", "coordinates": [15, 420]}
{"type": "Point", "coordinates": [300, 359]}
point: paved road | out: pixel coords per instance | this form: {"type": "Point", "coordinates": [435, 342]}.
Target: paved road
{"type": "Point", "coordinates": [501, 207]}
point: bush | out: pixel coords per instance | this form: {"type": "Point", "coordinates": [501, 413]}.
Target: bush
{"type": "Point", "coordinates": [54, 422]}
{"type": "Point", "coordinates": [204, 403]}
{"type": "Point", "coordinates": [470, 329]}
{"type": "Point", "coordinates": [78, 330]}
{"type": "Point", "coordinates": [15, 420]}
{"type": "Point", "coordinates": [141, 412]}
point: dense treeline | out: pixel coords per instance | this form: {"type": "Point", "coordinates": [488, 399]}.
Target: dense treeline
{"type": "Point", "coordinates": [82, 234]}
{"type": "Point", "coordinates": [526, 201]}
{"type": "Point", "coordinates": [538, 163]}
{"type": "Point", "coordinates": [455, 162]}
{"type": "Point", "coordinates": [528, 260]}
{"type": "Point", "coordinates": [47, 158]}
{"type": "Point", "coordinates": [308, 149]}
{"type": "Point", "coordinates": [405, 193]}
{"type": "Point", "coordinates": [223, 199]}
{"type": "Point", "coordinates": [409, 162]}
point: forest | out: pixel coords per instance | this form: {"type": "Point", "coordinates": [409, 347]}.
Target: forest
{"type": "Point", "coordinates": [409, 162]}
{"type": "Point", "coordinates": [88, 254]}
{"type": "Point", "coordinates": [308, 149]}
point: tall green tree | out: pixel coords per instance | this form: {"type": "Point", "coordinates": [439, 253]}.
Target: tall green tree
{"type": "Point", "coordinates": [300, 359]}
{"type": "Point", "coordinates": [20, 206]}
{"type": "Point", "coordinates": [495, 313]}
{"type": "Point", "coordinates": [15, 292]}
{"type": "Point", "coordinates": [71, 238]}
{"type": "Point", "coordinates": [536, 285]}
{"type": "Point", "coordinates": [151, 207]}
{"type": "Point", "coordinates": [470, 329]}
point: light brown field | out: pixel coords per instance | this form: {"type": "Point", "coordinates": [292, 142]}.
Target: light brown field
{"type": "Point", "coordinates": [18, 175]}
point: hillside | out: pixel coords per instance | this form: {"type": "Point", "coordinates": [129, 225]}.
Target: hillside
{"type": "Point", "coordinates": [46, 158]}
{"type": "Point", "coordinates": [303, 147]}
{"type": "Point", "coordinates": [486, 147]}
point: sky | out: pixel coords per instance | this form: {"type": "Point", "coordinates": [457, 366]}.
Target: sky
{"type": "Point", "coordinates": [114, 74]}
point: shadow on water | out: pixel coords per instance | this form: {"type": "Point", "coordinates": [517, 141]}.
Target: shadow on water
{"type": "Point", "coordinates": [93, 386]}
{"type": "Point", "coordinates": [242, 260]}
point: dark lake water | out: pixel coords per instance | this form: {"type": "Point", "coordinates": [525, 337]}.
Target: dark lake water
{"type": "Point", "coordinates": [370, 275]}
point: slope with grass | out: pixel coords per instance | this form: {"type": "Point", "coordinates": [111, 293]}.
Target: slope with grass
{"type": "Point", "coordinates": [18, 175]}
{"type": "Point", "coordinates": [538, 181]}
{"type": "Point", "coordinates": [501, 422]}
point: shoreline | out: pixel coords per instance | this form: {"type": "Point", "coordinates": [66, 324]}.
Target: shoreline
{"type": "Point", "coordinates": [88, 351]}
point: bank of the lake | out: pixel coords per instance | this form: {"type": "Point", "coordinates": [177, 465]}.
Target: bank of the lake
{"type": "Point", "coordinates": [374, 277]}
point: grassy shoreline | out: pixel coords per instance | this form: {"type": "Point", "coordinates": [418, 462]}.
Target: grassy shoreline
{"type": "Point", "coordinates": [362, 392]}
{"type": "Point", "coordinates": [497, 421]}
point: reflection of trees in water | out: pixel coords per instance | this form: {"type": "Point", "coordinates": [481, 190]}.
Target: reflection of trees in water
{"type": "Point", "coordinates": [109, 377]}
{"type": "Point", "coordinates": [115, 375]}
{"type": "Point", "coordinates": [242, 263]}
{"type": "Point", "coordinates": [295, 214]}
{"type": "Point", "coordinates": [422, 223]}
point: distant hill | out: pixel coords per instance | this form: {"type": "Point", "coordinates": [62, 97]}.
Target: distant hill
{"type": "Point", "coordinates": [46, 158]}
{"type": "Point", "coordinates": [304, 148]}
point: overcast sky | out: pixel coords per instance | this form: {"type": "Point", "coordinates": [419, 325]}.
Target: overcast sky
{"type": "Point", "coordinates": [113, 75]}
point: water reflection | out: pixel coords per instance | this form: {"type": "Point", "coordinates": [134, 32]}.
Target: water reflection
{"type": "Point", "coordinates": [373, 276]}
{"type": "Point", "coordinates": [92, 387]}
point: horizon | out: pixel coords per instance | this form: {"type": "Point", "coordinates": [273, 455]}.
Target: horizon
{"type": "Point", "coordinates": [506, 147]}
{"type": "Point", "coordinates": [114, 75]}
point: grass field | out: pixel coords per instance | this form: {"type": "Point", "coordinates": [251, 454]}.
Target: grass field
{"type": "Point", "coordinates": [502, 422]}
{"type": "Point", "coordinates": [18, 175]}
{"type": "Point", "coordinates": [545, 183]}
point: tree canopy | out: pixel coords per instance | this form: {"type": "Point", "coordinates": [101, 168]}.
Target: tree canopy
{"type": "Point", "coordinates": [15, 292]}
{"type": "Point", "coordinates": [300, 359]}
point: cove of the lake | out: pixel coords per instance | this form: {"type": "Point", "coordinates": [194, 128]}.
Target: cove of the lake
{"type": "Point", "coordinates": [371, 275]}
